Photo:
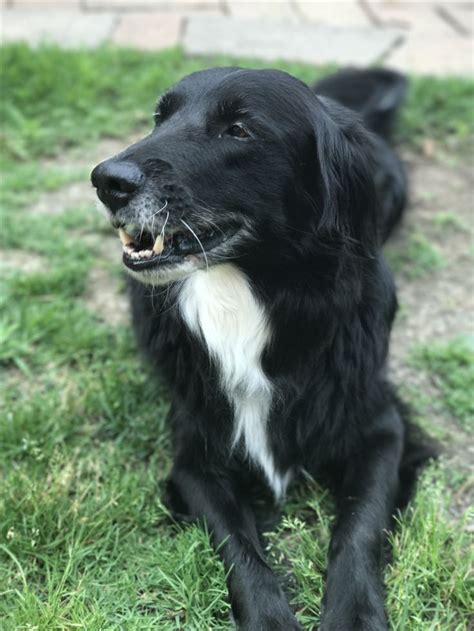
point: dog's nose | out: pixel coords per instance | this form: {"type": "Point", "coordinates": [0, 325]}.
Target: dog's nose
{"type": "Point", "coordinates": [116, 182]}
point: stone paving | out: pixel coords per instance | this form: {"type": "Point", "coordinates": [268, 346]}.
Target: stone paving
{"type": "Point", "coordinates": [421, 37]}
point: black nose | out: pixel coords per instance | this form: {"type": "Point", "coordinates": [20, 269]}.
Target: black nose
{"type": "Point", "coordinates": [116, 182]}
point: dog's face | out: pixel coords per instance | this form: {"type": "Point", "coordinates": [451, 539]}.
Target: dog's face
{"type": "Point", "coordinates": [232, 164]}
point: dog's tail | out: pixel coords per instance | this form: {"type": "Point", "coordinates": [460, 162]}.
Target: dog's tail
{"type": "Point", "coordinates": [376, 93]}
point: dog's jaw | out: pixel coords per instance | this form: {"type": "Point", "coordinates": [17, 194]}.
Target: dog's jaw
{"type": "Point", "coordinates": [167, 274]}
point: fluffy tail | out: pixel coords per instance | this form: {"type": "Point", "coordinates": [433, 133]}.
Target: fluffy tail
{"type": "Point", "coordinates": [375, 93]}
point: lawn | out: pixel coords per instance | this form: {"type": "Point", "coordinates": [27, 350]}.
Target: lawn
{"type": "Point", "coordinates": [85, 542]}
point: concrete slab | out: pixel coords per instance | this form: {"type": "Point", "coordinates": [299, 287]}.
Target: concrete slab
{"type": "Point", "coordinates": [278, 39]}
{"type": "Point", "coordinates": [333, 13]}
{"type": "Point", "coordinates": [66, 28]}
{"type": "Point", "coordinates": [152, 5]}
{"type": "Point", "coordinates": [434, 56]}
{"type": "Point", "coordinates": [46, 4]}
{"type": "Point", "coordinates": [460, 15]}
{"type": "Point", "coordinates": [272, 10]}
{"type": "Point", "coordinates": [148, 31]}
{"type": "Point", "coordinates": [416, 17]}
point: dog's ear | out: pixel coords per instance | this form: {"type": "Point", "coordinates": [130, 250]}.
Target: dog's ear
{"type": "Point", "coordinates": [345, 189]}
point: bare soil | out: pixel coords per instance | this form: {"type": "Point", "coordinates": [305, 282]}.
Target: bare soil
{"type": "Point", "coordinates": [105, 299]}
{"type": "Point", "coordinates": [22, 260]}
{"type": "Point", "coordinates": [55, 203]}
{"type": "Point", "coordinates": [438, 305]}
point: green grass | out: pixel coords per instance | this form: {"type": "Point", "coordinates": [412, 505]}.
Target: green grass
{"type": "Point", "coordinates": [73, 97]}
{"type": "Point", "coordinates": [415, 258]}
{"type": "Point", "coordinates": [451, 367]}
{"type": "Point", "coordinates": [439, 109]}
{"type": "Point", "coordinates": [84, 539]}
{"type": "Point", "coordinates": [23, 181]}
{"type": "Point", "coordinates": [449, 220]}
{"type": "Point", "coordinates": [429, 581]}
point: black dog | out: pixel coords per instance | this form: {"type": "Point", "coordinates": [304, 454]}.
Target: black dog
{"type": "Point", "coordinates": [252, 219]}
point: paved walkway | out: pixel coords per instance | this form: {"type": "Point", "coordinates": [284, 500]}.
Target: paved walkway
{"type": "Point", "coordinates": [424, 37]}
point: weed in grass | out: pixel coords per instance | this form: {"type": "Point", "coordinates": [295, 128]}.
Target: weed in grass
{"type": "Point", "coordinates": [451, 367]}
{"type": "Point", "coordinates": [415, 257]}
{"type": "Point", "coordinates": [437, 108]}
{"type": "Point", "coordinates": [449, 220]}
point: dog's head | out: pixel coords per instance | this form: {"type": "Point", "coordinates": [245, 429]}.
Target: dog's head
{"type": "Point", "coordinates": [239, 162]}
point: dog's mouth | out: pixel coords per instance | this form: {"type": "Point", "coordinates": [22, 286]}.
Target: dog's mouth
{"type": "Point", "coordinates": [142, 250]}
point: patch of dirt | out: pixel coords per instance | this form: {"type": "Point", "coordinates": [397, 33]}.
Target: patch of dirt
{"type": "Point", "coordinates": [22, 260]}
{"type": "Point", "coordinates": [88, 157]}
{"type": "Point", "coordinates": [439, 305]}
{"type": "Point", "coordinates": [82, 192]}
{"type": "Point", "coordinates": [107, 246]}
{"type": "Point", "coordinates": [55, 203]}
{"type": "Point", "coordinates": [104, 298]}
{"type": "Point", "coordinates": [110, 146]}
{"type": "Point", "coordinates": [103, 295]}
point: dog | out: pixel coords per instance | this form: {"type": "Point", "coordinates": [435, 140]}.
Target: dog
{"type": "Point", "coordinates": [252, 219]}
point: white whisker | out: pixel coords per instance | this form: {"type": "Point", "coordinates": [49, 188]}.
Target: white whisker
{"type": "Point", "coordinates": [153, 218]}
{"type": "Point", "coordinates": [162, 233]}
{"type": "Point", "coordinates": [160, 209]}
{"type": "Point", "coordinates": [197, 239]}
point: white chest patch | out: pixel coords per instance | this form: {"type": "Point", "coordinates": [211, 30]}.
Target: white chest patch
{"type": "Point", "coordinates": [219, 305]}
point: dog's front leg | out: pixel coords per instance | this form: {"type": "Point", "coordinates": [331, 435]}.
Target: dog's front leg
{"type": "Point", "coordinates": [209, 493]}
{"type": "Point", "coordinates": [366, 498]}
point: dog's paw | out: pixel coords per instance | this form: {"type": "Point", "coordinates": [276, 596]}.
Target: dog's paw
{"type": "Point", "coordinates": [353, 621]}
{"type": "Point", "coordinates": [272, 622]}
{"type": "Point", "coordinates": [265, 612]}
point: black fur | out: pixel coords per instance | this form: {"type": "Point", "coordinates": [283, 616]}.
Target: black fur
{"type": "Point", "coordinates": [318, 189]}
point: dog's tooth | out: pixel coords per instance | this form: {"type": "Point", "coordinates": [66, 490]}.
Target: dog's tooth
{"type": "Point", "coordinates": [159, 244]}
{"type": "Point", "coordinates": [146, 253]}
{"type": "Point", "coordinates": [125, 238]}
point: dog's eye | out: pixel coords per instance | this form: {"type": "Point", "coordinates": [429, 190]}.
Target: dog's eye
{"type": "Point", "coordinates": [238, 131]}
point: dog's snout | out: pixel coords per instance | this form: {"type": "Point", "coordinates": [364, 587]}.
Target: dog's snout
{"type": "Point", "coordinates": [116, 182]}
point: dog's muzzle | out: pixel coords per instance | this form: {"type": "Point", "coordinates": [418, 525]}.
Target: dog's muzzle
{"type": "Point", "coordinates": [156, 238]}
